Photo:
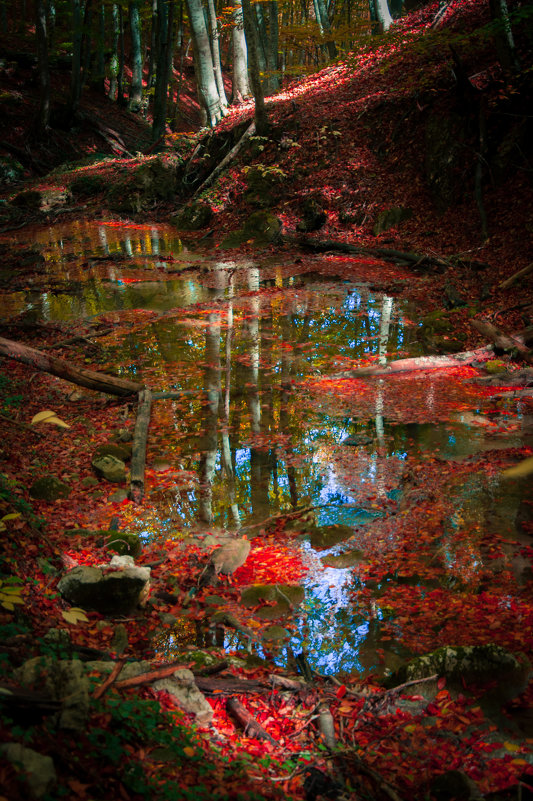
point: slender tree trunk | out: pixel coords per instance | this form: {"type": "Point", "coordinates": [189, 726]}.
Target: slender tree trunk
{"type": "Point", "coordinates": [114, 60]}
{"type": "Point", "coordinates": [261, 121]}
{"type": "Point", "coordinates": [273, 46]}
{"type": "Point", "coordinates": [165, 17]}
{"type": "Point", "coordinates": [75, 82]}
{"type": "Point", "coordinates": [86, 42]}
{"type": "Point", "coordinates": [240, 86]}
{"type": "Point", "coordinates": [505, 45]}
{"type": "Point", "coordinates": [136, 88]}
{"type": "Point", "coordinates": [215, 51]}
{"type": "Point", "coordinates": [207, 87]}
{"type": "Point", "coordinates": [325, 26]}
{"type": "Point", "coordinates": [382, 14]}
{"type": "Point", "coordinates": [150, 81]}
{"type": "Point", "coordinates": [43, 115]}
{"type": "Point", "coordinates": [121, 95]}
{"type": "Point", "coordinates": [98, 78]}
{"type": "Point", "coordinates": [51, 23]}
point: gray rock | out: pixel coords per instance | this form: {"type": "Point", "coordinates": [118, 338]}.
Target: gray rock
{"type": "Point", "coordinates": [118, 496]}
{"type": "Point", "coordinates": [39, 771]}
{"type": "Point", "coordinates": [182, 687]}
{"type": "Point", "coordinates": [63, 680]}
{"type": "Point", "coordinates": [263, 227]}
{"type": "Point", "coordinates": [110, 468]}
{"type": "Point", "coordinates": [49, 488]}
{"type": "Point", "coordinates": [391, 218]}
{"type": "Point", "coordinates": [115, 593]}
{"type": "Point", "coordinates": [120, 450]}
{"type": "Point", "coordinates": [193, 217]}
{"type": "Point", "coordinates": [125, 543]}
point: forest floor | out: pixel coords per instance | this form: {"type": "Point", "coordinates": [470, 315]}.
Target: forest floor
{"type": "Point", "coordinates": [354, 140]}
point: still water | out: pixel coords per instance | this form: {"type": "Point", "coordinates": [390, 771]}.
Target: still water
{"type": "Point", "coordinates": [251, 430]}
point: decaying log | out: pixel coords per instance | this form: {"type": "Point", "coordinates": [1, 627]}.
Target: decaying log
{"type": "Point", "coordinates": [503, 341]}
{"type": "Point", "coordinates": [138, 455]}
{"type": "Point", "coordinates": [516, 276]}
{"type": "Point", "coordinates": [252, 727]}
{"type": "Point", "coordinates": [101, 382]}
{"type": "Point", "coordinates": [229, 685]}
{"type": "Point", "coordinates": [420, 363]}
{"type": "Point", "coordinates": [388, 254]}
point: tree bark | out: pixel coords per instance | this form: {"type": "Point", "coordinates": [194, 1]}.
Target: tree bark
{"type": "Point", "coordinates": [251, 726]}
{"type": "Point", "coordinates": [138, 458]}
{"type": "Point", "coordinates": [261, 121]}
{"type": "Point", "coordinates": [101, 382]}
{"type": "Point", "coordinates": [207, 87]}
{"type": "Point", "coordinates": [215, 52]}
{"type": "Point", "coordinates": [136, 88]}
{"type": "Point", "coordinates": [43, 115]}
{"type": "Point", "coordinates": [240, 87]}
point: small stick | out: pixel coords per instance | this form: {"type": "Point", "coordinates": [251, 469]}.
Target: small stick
{"type": "Point", "coordinates": [152, 675]}
{"type": "Point", "coordinates": [250, 725]}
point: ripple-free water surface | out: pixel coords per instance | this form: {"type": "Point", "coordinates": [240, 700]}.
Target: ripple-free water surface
{"type": "Point", "coordinates": [249, 437]}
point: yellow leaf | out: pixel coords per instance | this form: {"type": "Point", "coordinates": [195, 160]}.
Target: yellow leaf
{"type": "Point", "coordinates": [12, 516]}
{"type": "Point", "coordinates": [411, 728]}
{"type": "Point", "coordinates": [511, 746]}
{"type": "Point", "coordinates": [523, 468]}
{"type": "Point", "coordinates": [75, 615]}
{"type": "Point", "coordinates": [188, 751]}
{"type": "Point", "coordinates": [519, 762]}
{"type": "Point", "coordinates": [48, 416]}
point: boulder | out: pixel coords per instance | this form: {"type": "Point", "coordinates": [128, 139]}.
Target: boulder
{"type": "Point", "coordinates": [120, 450]}
{"type": "Point", "coordinates": [124, 543]}
{"type": "Point", "coordinates": [391, 218]}
{"type": "Point", "coordinates": [261, 227]}
{"type": "Point", "coordinates": [153, 180]}
{"type": "Point", "coordinates": [193, 217]}
{"type": "Point", "coordinates": [110, 468]}
{"type": "Point", "coordinates": [62, 680]}
{"type": "Point", "coordinates": [113, 593]}
{"type": "Point", "coordinates": [469, 666]}
{"type": "Point", "coordinates": [264, 184]}
{"type": "Point", "coordinates": [49, 488]}
{"type": "Point", "coordinates": [182, 687]}
{"type": "Point", "coordinates": [37, 769]}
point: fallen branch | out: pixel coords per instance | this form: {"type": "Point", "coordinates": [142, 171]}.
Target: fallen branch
{"type": "Point", "coordinates": [420, 363]}
{"type": "Point", "coordinates": [515, 276]}
{"type": "Point", "coordinates": [162, 672]}
{"type": "Point", "coordinates": [503, 341]}
{"type": "Point", "coordinates": [138, 454]}
{"type": "Point", "coordinates": [225, 161]}
{"type": "Point", "coordinates": [229, 685]}
{"type": "Point", "coordinates": [388, 254]}
{"type": "Point", "coordinates": [251, 726]}
{"type": "Point", "coordinates": [21, 425]}
{"type": "Point", "coordinates": [110, 679]}
{"type": "Point", "coordinates": [101, 382]}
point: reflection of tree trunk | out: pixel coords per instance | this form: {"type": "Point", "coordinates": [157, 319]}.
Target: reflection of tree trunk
{"type": "Point", "coordinates": [286, 369]}
{"type": "Point", "coordinates": [206, 467]}
{"type": "Point", "coordinates": [258, 463]}
{"type": "Point", "coordinates": [226, 448]}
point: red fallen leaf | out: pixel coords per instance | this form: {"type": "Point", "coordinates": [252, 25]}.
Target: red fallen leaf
{"type": "Point", "coordinates": [341, 692]}
{"type": "Point", "coordinates": [441, 682]}
{"type": "Point", "coordinates": [432, 709]}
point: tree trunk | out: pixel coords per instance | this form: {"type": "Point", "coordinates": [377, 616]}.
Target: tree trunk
{"type": "Point", "coordinates": [136, 87]}
{"type": "Point", "coordinates": [505, 45]}
{"type": "Point", "coordinates": [165, 16]}
{"type": "Point", "coordinates": [240, 87]}
{"type": "Point", "coordinates": [101, 382]}
{"type": "Point", "coordinates": [75, 81]}
{"type": "Point", "coordinates": [261, 120]}
{"type": "Point", "coordinates": [153, 46]}
{"type": "Point", "coordinates": [207, 87]}
{"type": "Point", "coordinates": [215, 52]}
{"type": "Point", "coordinates": [43, 115]}
{"type": "Point", "coordinates": [114, 60]}
{"type": "Point", "coordinates": [138, 456]}
{"type": "Point", "coordinates": [382, 14]}
{"type": "Point", "coordinates": [325, 26]}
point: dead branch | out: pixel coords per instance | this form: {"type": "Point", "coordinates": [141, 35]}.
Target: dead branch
{"type": "Point", "coordinates": [138, 456]}
{"type": "Point", "coordinates": [502, 340]}
{"type": "Point", "coordinates": [388, 254]}
{"type": "Point", "coordinates": [516, 276]}
{"type": "Point", "coordinates": [420, 363]}
{"type": "Point", "coordinates": [101, 382]}
{"type": "Point", "coordinates": [110, 679]}
{"type": "Point", "coordinates": [225, 161]}
{"type": "Point", "coordinates": [229, 685]}
{"type": "Point", "coordinates": [152, 675]}
{"type": "Point", "coordinates": [243, 718]}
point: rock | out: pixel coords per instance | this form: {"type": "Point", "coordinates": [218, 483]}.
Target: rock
{"type": "Point", "coordinates": [63, 680]}
{"type": "Point", "coordinates": [118, 496]}
{"type": "Point", "coordinates": [30, 199]}
{"type": "Point", "coordinates": [275, 634]}
{"type": "Point", "coordinates": [264, 184]}
{"type": "Point", "coordinates": [262, 227]}
{"type": "Point", "coordinates": [49, 488]}
{"type": "Point", "coordinates": [495, 367]}
{"type": "Point", "coordinates": [115, 593]}
{"type": "Point", "coordinates": [391, 218]}
{"type": "Point", "coordinates": [356, 440]}
{"type": "Point", "coordinates": [129, 671]}
{"type": "Point", "coordinates": [182, 687]}
{"type": "Point", "coordinates": [290, 594]}
{"type": "Point", "coordinates": [193, 217]}
{"type": "Point", "coordinates": [110, 468]}
{"type": "Point", "coordinates": [325, 537]}
{"type": "Point", "coordinates": [10, 170]}
{"type": "Point", "coordinates": [119, 643]}
{"type": "Point", "coordinates": [89, 481]}
{"type": "Point", "coordinates": [124, 435]}
{"type": "Point", "coordinates": [120, 450]}
{"type": "Point", "coordinates": [153, 180]}
{"type": "Point", "coordinates": [125, 542]}
{"type": "Point", "coordinates": [454, 785]}
{"type": "Point", "coordinates": [313, 216]}
{"type": "Point", "coordinates": [38, 770]}
{"type": "Point", "coordinates": [465, 666]}
{"type": "Point", "coordinates": [344, 560]}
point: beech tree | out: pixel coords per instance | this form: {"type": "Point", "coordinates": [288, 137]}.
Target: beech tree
{"type": "Point", "coordinates": [205, 75]}
{"type": "Point", "coordinates": [136, 86]}
{"type": "Point", "coordinates": [240, 86]}
{"type": "Point", "coordinates": [43, 115]}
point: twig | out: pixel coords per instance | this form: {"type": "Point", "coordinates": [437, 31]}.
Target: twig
{"type": "Point", "coordinates": [21, 425]}
{"type": "Point", "coordinates": [519, 274]}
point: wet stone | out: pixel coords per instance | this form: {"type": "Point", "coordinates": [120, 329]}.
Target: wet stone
{"type": "Point", "coordinates": [49, 488]}
{"type": "Point", "coordinates": [326, 537]}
